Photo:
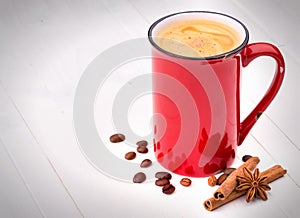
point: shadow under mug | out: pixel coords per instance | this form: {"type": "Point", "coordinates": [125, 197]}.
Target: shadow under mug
{"type": "Point", "coordinates": [196, 101]}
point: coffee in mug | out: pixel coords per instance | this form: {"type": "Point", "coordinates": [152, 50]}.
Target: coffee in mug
{"type": "Point", "coordinates": [198, 38]}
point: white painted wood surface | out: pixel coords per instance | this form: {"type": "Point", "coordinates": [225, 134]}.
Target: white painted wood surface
{"type": "Point", "coordinates": [45, 47]}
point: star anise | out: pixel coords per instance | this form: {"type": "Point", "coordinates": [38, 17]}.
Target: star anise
{"type": "Point", "coordinates": [255, 185]}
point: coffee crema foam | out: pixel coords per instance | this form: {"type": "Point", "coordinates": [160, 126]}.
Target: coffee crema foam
{"type": "Point", "coordinates": [198, 38]}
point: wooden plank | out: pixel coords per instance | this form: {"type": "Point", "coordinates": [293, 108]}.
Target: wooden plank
{"type": "Point", "coordinates": [274, 143]}
{"type": "Point", "coordinates": [128, 17]}
{"type": "Point", "coordinates": [31, 161]}
{"type": "Point", "coordinates": [276, 20]}
{"type": "Point", "coordinates": [43, 92]}
{"type": "Point", "coordinates": [40, 86]}
{"type": "Point", "coordinates": [256, 79]}
{"type": "Point", "coordinates": [278, 146]}
{"type": "Point", "coordinates": [274, 23]}
{"type": "Point", "coordinates": [16, 199]}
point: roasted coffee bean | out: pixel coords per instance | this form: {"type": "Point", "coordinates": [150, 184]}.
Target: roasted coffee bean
{"type": "Point", "coordinates": [228, 171]}
{"type": "Point", "coordinates": [168, 189]}
{"type": "Point", "coordinates": [146, 163]}
{"type": "Point", "coordinates": [142, 149]}
{"type": "Point", "coordinates": [185, 182]}
{"type": "Point", "coordinates": [246, 157]}
{"type": "Point", "coordinates": [163, 175]}
{"type": "Point", "coordinates": [117, 138]}
{"type": "Point", "coordinates": [162, 182]}
{"type": "Point", "coordinates": [212, 181]}
{"type": "Point", "coordinates": [130, 155]}
{"type": "Point", "coordinates": [221, 179]}
{"type": "Point", "coordinates": [139, 177]}
{"type": "Point", "coordinates": [142, 143]}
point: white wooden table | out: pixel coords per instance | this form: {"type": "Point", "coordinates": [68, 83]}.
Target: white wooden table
{"type": "Point", "coordinates": [45, 46]}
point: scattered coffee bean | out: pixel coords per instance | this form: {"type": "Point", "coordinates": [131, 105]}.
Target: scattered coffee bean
{"type": "Point", "coordinates": [163, 175]}
{"type": "Point", "coordinates": [146, 163]}
{"type": "Point", "coordinates": [162, 182]}
{"type": "Point", "coordinates": [143, 143]}
{"type": "Point", "coordinates": [221, 179]}
{"type": "Point", "coordinates": [246, 157]}
{"type": "Point", "coordinates": [130, 155]}
{"type": "Point", "coordinates": [142, 149]}
{"type": "Point", "coordinates": [228, 171]}
{"type": "Point", "coordinates": [139, 177]}
{"type": "Point", "coordinates": [168, 189]}
{"type": "Point", "coordinates": [117, 138]}
{"type": "Point", "coordinates": [185, 182]}
{"type": "Point", "coordinates": [212, 181]}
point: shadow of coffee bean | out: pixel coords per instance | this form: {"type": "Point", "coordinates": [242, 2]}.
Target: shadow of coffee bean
{"type": "Point", "coordinates": [189, 170]}
{"type": "Point", "coordinates": [160, 157]}
{"type": "Point", "coordinates": [172, 166]}
{"type": "Point", "coordinates": [211, 168]}
{"type": "Point", "coordinates": [170, 153]}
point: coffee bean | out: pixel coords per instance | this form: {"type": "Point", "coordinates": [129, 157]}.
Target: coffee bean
{"type": "Point", "coordinates": [163, 175]}
{"type": "Point", "coordinates": [228, 171]}
{"type": "Point", "coordinates": [146, 163]}
{"type": "Point", "coordinates": [162, 182]}
{"type": "Point", "coordinates": [168, 189]}
{"type": "Point", "coordinates": [246, 157]}
{"type": "Point", "coordinates": [221, 179]}
{"type": "Point", "coordinates": [117, 138]}
{"type": "Point", "coordinates": [212, 181]}
{"type": "Point", "coordinates": [139, 177]}
{"type": "Point", "coordinates": [142, 143]}
{"type": "Point", "coordinates": [130, 155]}
{"type": "Point", "coordinates": [142, 149]}
{"type": "Point", "coordinates": [185, 182]}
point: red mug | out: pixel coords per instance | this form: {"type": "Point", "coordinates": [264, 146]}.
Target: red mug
{"type": "Point", "coordinates": [196, 100]}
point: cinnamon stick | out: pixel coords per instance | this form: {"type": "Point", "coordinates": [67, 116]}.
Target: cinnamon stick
{"type": "Point", "coordinates": [272, 174]}
{"type": "Point", "coordinates": [230, 183]}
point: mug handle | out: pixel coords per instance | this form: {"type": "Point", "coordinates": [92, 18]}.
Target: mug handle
{"type": "Point", "coordinates": [249, 53]}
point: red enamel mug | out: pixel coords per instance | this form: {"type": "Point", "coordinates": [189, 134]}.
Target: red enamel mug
{"type": "Point", "coordinates": [196, 100]}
